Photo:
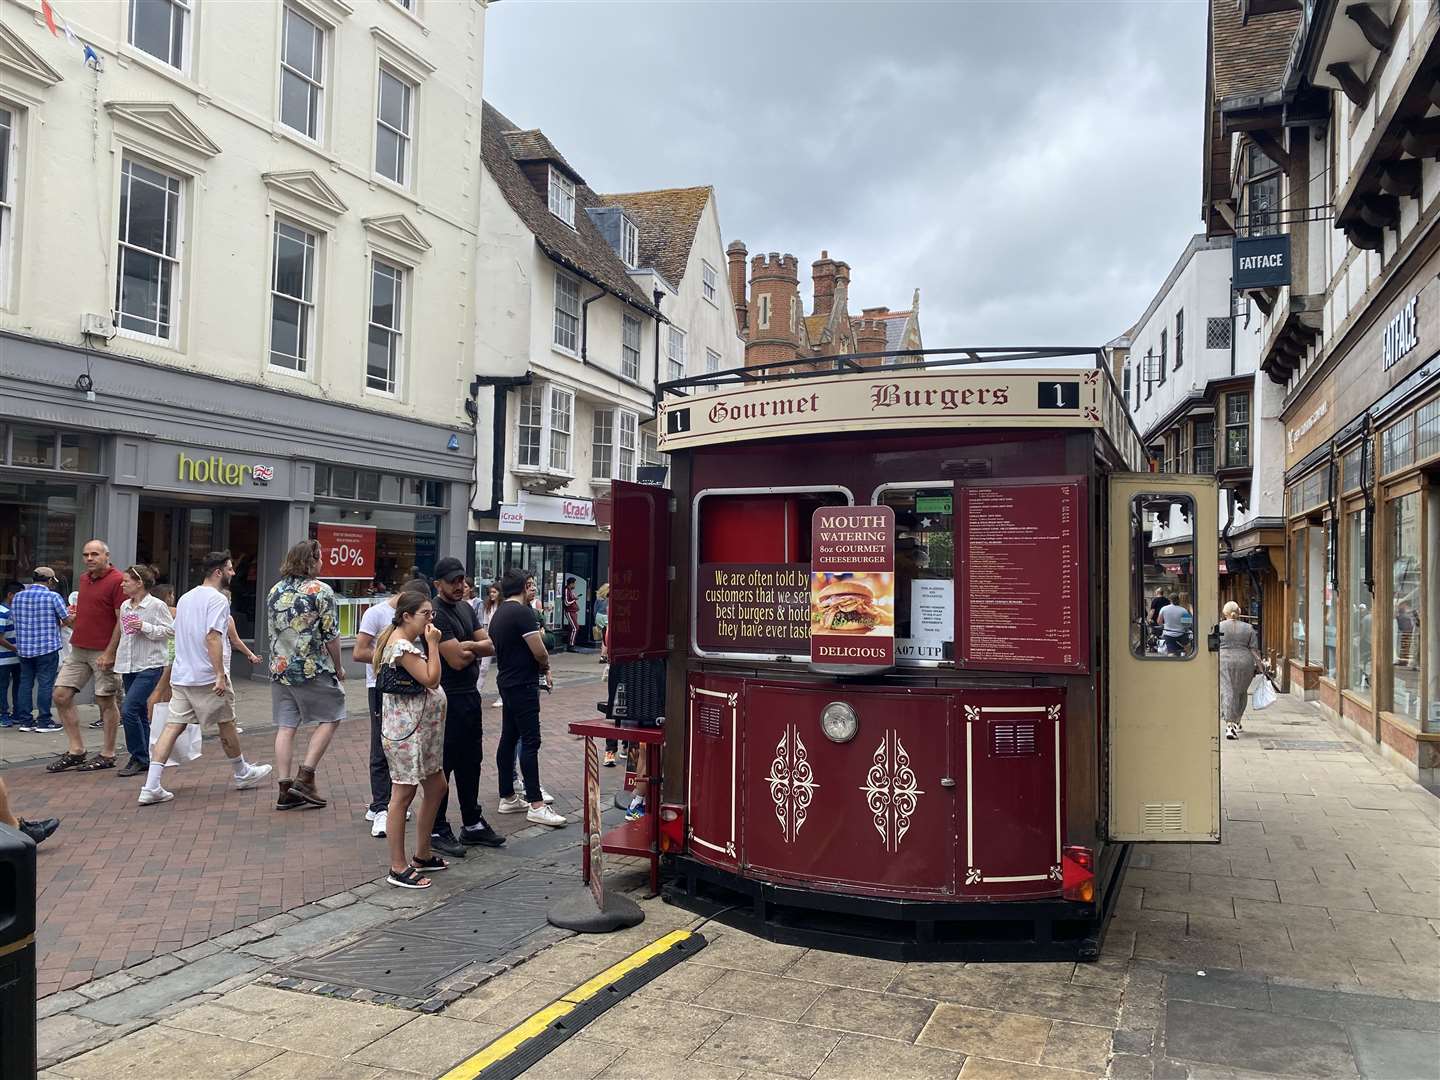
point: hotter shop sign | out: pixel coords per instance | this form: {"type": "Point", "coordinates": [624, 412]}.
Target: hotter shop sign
{"type": "Point", "coordinates": [217, 470]}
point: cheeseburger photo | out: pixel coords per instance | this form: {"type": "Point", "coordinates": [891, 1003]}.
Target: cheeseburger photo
{"type": "Point", "coordinates": [847, 607]}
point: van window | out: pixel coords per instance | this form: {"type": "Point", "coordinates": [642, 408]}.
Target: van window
{"type": "Point", "coordinates": [924, 572]}
{"type": "Point", "coordinates": [1162, 577]}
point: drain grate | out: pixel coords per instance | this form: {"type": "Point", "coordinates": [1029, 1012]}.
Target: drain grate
{"type": "Point", "coordinates": [477, 923]}
{"type": "Point", "coordinates": [539, 889]}
{"type": "Point", "coordinates": [391, 963]}
{"type": "Point", "coordinates": [1308, 744]}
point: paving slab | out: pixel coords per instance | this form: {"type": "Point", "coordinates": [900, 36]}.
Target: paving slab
{"type": "Point", "coordinates": [868, 1013]}
{"type": "Point", "coordinates": [757, 994]}
{"type": "Point", "coordinates": [752, 1043]}
{"type": "Point", "coordinates": [861, 1056]}
{"type": "Point", "coordinates": [986, 1033]}
{"type": "Point", "coordinates": [837, 969]}
{"type": "Point", "coordinates": [678, 1029]}
{"type": "Point", "coordinates": [977, 1068]}
{"type": "Point", "coordinates": [1259, 1041]}
{"type": "Point", "coordinates": [429, 1045]}
{"type": "Point", "coordinates": [168, 1052]}
{"type": "Point", "coordinates": [145, 998]}
{"type": "Point", "coordinates": [319, 930]}
{"type": "Point", "coordinates": [1386, 1053]}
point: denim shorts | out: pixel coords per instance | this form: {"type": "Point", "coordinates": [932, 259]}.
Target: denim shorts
{"type": "Point", "coordinates": [316, 701]}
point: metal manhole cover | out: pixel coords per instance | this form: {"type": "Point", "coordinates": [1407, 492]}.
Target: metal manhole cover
{"type": "Point", "coordinates": [1307, 744]}
{"type": "Point", "coordinates": [391, 963]}
{"type": "Point", "coordinates": [539, 889]}
{"type": "Point", "coordinates": [478, 922]}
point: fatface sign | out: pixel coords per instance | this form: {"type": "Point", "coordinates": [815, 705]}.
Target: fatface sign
{"type": "Point", "coordinates": [1401, 334]}
{"type": "Point", "coordinates": [1260, 262]}
{"type": "Point", "coordinates": [852, 586]}
{"type": "Point", "coordinates": [346, 551]}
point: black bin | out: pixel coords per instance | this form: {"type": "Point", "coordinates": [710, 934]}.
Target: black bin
{"type": "Point", "coordinates": [17, 955]}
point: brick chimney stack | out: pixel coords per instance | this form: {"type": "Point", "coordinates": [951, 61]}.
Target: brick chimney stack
{"type": "Point", "coordinates": [775, 304]}
{"type": "Point", "coordinates": [869, 337]}
{"type": "Point", "coordinates": [736, 254]}
{"type": "Point", "coordinates": [822, 277]}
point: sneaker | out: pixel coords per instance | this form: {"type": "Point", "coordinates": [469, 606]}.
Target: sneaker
{"type": "Point", "coordinates": [239, 730]}
{"type": "Point", "coordinates": [96, 725]}
{"type": "Point", "coordinates": [149, 796]}
{"type": "Point", "coordinates": [497, 704]}
{"type": "Point", "coordinates": [253, 775]}
{"type": "Point", "coordinates": [378, 828]}
{"type": "Point", "coordinates": [609, 759]}
{"type": "Point", "coordinates": [546, 816]}
{"type": "Point", "coordinates": [481, 834]}
{"type": "Point", "coordinates": [1231, 731]}
{"type": "Point", "coordinates": [39, 830]}
{"type": "Point", "coordinates": [371, 815]}
{"type": "Point", "coordinates": [636, 810]}
{"type": "Point", "coordinates": [49, 726]}
{"type": "Point", "coordinates": [25, 725]}
{"type": "Point", "coordinates": [447, 845]}
{"type": "Point", "coordinates": [514, 804]}
{"type": "Point", "coordinates": [7, 722]}
{"type": "Point", "coordinates": [134, 767]}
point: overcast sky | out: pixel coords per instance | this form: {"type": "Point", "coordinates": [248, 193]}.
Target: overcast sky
{"type": "Point", "coordinates": [1033, 168]}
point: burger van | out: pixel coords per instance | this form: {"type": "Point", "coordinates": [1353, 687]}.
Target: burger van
{"type": "Point", "coordinates": [900, 603]}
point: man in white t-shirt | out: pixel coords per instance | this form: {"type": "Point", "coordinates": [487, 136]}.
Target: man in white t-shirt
{"type": "Point", "coordinates": [199, 686]}
{"type": "Point", "coordinates": [1175, 628]}
{"type": "Point", "coordinates": [376, 618]}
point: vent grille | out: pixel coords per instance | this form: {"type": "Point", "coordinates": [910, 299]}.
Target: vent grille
{"type": "Point", "coordinates": [1162, 817]}
{"type": "Point", "coordinates": [1013, 739]}
{"type": "Point", "coordinates": [708, 715]}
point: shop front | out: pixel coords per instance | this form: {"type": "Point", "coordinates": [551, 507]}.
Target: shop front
{"type": "Point", "coordinates": [48, 480]}
{"type": "Point", "coordinates": [557, 539]}
{"type": "Point", "coordinates": [1362, 505]}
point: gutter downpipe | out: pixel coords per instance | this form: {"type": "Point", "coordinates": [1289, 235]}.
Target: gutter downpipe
{"type": "Point", "coordinates": [502, 384]}
{"type": "Point", "coordinates": [585, 322]}
{"type": "Point", "coordinates": [657, 296]}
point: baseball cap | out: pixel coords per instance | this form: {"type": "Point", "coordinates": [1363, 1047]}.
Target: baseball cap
{"type": "Point", "coordinates": [449, 568]}
{"type": "Point", "coordinates": [44, 571]}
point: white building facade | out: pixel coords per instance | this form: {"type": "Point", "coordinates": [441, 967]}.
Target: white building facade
{"type": "Point", "coordinates": [237, 254]}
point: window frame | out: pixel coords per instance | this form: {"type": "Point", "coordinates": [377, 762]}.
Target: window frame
{"type": "Point", "coordinates": [1255, 180]}
{"type": "Point", "coordinates": [1139, 588]}
{"type": "Point", "coordinates": [177, 260]}
{"type": "Point", "coordinates": [629, 369]}
{"type": "Point", "coordinates": [401, 278]}
{"type": "Point", "coordinates": [709, 282]}
{"type": "Point", "coordinates": [766, 307]}
{"type": "Point", "coordinates": [556, 313]}
{"type": "Point", "coordinates": [554, 397]}
{"type": "Point", "coordinates": [607, 444]}
{"type": "Point", "coordinates": [921, 485]}
{"type": "Point", "coordinates": [405, 139]}
{"type": "Point", "coordinates": [187, 34]}
{"type": "Point", "coordinates": [309, 305]}
{"type": "Point", "coordinates": [1196, 445]}
{"type": "Point", "coordinates": [531, 400]}
{"type": "Point", "coordinates": [560, 192]}
{"type": "Point", "coordinates": [1211, 322]}
{"type": "Point", "coordinates": [1161, 373]}
{"type": "Point", "coordinates": [674, 334]}
{"type": "Point", "coordinates": [318, 87]}
{"type": "Point", "coordinates": [9, 192]}
{"type": "Point", "coordinates": [627, 420]}
{"type": "Point", "coordinates": [629, 242]}
{"type": "Point", "coordinates": [1227, 425]}
{"type": "Point", "coordinates": [1179, 339]}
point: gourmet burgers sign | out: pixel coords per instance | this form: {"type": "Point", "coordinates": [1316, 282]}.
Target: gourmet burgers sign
{"type": "Point", "coordinates": [852, 586]}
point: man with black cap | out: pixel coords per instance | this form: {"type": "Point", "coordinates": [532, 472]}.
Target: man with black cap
{"type": "Point", "coordinates": [462, 644]}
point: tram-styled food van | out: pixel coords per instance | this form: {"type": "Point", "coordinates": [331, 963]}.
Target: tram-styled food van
{"type": "Point", "coordinates": [916, 702]}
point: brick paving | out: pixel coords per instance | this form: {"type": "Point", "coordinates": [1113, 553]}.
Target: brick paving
{"type": "Point", "coordinates": [120, 883]}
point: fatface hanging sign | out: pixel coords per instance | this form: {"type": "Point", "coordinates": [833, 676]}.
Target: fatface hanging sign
{"type": "Point", "coordinates": [852, 586]}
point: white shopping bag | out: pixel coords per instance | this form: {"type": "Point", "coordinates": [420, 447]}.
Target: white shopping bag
{"type": "Point", "coordinates": [1262, 694]}
{"type": "Point", "coordinates": [187, 746]}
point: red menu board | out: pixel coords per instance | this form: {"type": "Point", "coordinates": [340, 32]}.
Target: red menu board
{"type": "Point", "coordinates": [1022, 576]}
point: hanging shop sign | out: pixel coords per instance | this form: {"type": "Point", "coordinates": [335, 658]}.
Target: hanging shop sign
{"type": "Point", "coordinates": [852, 586]}
{"type": "Point", "coordinates": [346, 551]}
{"type": "Point", "coordinates": [512, 517]}
{"type": "Point", "coordinates": [1260, 262]}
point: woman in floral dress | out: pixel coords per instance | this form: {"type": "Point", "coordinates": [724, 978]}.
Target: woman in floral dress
{"type": "Point", "coordinates": [412, 731]}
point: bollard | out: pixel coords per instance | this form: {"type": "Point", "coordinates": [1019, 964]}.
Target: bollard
{"type": "Point", "coordinates": [17, 955]}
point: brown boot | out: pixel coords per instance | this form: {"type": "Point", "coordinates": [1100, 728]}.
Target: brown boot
{"type": "Point", "coordinates": [304, 786]}
{"type": "Point", "coordinates": [287, 799]}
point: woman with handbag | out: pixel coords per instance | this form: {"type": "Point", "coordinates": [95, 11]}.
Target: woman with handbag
{"type": "Point", "coordinates": [147, 634]}
{"type": "Point", "coordinates": [1239, 664]}
{"type": "Point", "coordinates": [412, 730]}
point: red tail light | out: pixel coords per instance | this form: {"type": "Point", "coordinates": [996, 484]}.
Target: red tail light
{"type": "Point", "coordinates": [672, 827]}
{"type": "Point", "coordinates": [1078, 867]}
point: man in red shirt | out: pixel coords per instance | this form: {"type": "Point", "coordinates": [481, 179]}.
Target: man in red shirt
{"type": "Point", "coordinates": [92, 656]}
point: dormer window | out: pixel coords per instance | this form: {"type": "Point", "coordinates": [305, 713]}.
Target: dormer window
{"type": "Point", "coordinates": [629, 243]}
{"type": "Point", "coordinates": [562, 196]}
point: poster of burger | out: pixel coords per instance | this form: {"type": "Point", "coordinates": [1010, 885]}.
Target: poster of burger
{"type": "Point", "coordinates": [852, 586]}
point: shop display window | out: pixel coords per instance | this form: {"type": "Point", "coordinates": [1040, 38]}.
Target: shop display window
{"type": "Point", "coordinates": [404, 541]}
{"type": "Point", "coordinates": [1298, 593]}
{"type": "Point", "coordinates": [1405, 602]}
{"type": "Point", "coordinates": [1432, 595]}
{"type": "Point", "coordinates": [43, 524]}
{"type": "Point", "coordinates": [1331, 631]}
{"type": "Point", "coordinates": [1360, 623]}
{"type": "Point", "coordinates": [1317, 581]}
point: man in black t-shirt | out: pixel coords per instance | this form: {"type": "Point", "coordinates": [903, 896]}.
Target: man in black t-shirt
{"type": "Point", "coordinates": [462, 643]}
{"type": "Point", "coordinates": [523, 661]}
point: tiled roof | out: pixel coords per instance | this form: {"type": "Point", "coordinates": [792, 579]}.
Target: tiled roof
{"type": "Point", "coordinates": [532, 145]}
{"type": "Point", "coordinates": [1249, 57]}
{"type": "Point", "coordinates": [895, 324]}
{"type": "Point", "coordinates": [581, 249]}
{"type": "Point", "coordinates": [667, 221]}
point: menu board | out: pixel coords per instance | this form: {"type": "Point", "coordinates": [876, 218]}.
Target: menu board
{"type": "Point", "coordinates": [1022, 576]}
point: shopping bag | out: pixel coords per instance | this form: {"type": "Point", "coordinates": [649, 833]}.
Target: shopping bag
{"type": "Point", "coordinates": [187, 746]}
{"type": "Point", "coordinates": [1262, 694]}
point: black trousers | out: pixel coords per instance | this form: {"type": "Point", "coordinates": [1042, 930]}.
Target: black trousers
{"type": "Point", "coordinates": [520, 726]}
{"type": "Point", "coordinates": [464, 755]}
{"type": "Point", "coordinates": [379, 767]}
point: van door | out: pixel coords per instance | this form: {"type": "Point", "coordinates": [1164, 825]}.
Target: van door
{"type": "Point", "coordinates": [640, 572]}
{"type": "Point", "coordinates": [1164, 724]}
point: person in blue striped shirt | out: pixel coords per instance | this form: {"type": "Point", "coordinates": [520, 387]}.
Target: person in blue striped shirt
{"type": "Point", "coordinates": [9, 662]}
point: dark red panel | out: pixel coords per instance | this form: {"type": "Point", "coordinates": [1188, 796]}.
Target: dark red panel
{"type": "Point", "coordinates": [712, 769]}
{"type": "Point", "coordinates": [639, 571]}
{"type": "Point", "coordinates": [870, 815]}
{"type": "Point", "coordinates": [746, 529]}
{"type": "Point", "coordinates": [1010, 745]}
{"type": "Point", "coordinates": [1022, 575]}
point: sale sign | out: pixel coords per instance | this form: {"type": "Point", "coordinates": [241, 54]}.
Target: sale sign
{"type": "Point", "coordinates": [346, 551]}
{"type": "Point", "coordinates": [852, 586]}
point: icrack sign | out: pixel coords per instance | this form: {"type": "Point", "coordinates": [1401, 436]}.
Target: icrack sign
{"type": "Point", "coordinates": [1260, 262]}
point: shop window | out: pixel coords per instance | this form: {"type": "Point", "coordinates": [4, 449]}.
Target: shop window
{"type": "Point", "coordinates": [367, 485]}
{"type": "Point", "coordinates": [1405, 602]}
{"type": "Point", "coordinates": [1237, 430]}
{"type": "Point", "coordinates": [79, 453]}
{"type": "Point", "coordinates": [1331, 630]}
{"type": "Point", "coordinates": [32, 448]}
{"type": "Point", "coordinates": [760, 528]}
{"type": "Point", "coordinates": [1350, 469]}
{"type": "Point", "coordinates": [1299, 574]}
{"type": "Point", "coordinates": [404, 540]}
{"type": "Point", "coordinates": [924, 572]}
{"type": "Point", "coordinates": [322, 480]}
{"type": "Point", "coordinates": [432, 492]}
{"type": "Point", "coordinates": [148, 264]}
{"type": "Point", "coordinates": [1361, 604]}
{"type": "Point", "coordinates": [1205, 446]}
{"type": "Point", "coordinates": [44, 524]}
{"type": "Point", "coordinates": [1397, 446]}
{"type": "Point", "coordinates": [1317, 581]}
{"type": "Point", "coordinates": [342, 483]}
{"type": "Point", "coordinates": [1162, 588]}
{"type": "Point", "coordinates": [1431, 640]}
{"type": "Point", "coordinates": [1427, 430]}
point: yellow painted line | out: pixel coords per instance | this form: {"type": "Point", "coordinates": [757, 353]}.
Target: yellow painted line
{"type": "Point", "coordinates": [538, 1022]}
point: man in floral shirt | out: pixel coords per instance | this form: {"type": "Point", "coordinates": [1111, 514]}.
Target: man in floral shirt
{"type": "Point", "coordinates": [305, 670]}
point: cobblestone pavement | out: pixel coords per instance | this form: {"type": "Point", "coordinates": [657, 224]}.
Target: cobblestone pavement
{"type": "Point", "coordinates": [120, 883]}
{"type": "Point", "coordinates": [1306, 944]}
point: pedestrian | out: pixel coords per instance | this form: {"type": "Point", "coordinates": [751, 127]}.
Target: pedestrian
{"type": "Point", "coordinates": [38, 613]}
{"type": "Point", "coordinates": [413, 729]}
{"type": "Point", "coordinates": [376, 618]}
{"type": "Point", "coordinates": [1239, 664]}
{"type": "Point", "coordinates": [9, 662]}
{"type": "Point", "coordinates": [462, 644]}
{"type": "Point", "coordinates": [572, 615]}
{"type": "Point", "coordinates": [306, 670]}
{"type": "Point", "coordinates": [485, 604]}
{"type": "Point", "coordinates": [1175, 628]}
{"type": "Point", "coordinates": [36, 830]}
{"type": "Point", "coordinates": [1157, 604]}
{"type": "Point", "coordinates": [200, 691]}
{"type": "Point", "coordinates": [147, 630]}
{"type": "Point", "coordinates": [93, 645]}
{"type": "Point", "coordinates": [522, 662]}
{"type": "Point", "coordinates": [236, 642]}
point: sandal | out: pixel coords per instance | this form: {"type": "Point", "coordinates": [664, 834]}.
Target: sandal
{"type": "Point", "coordinates": [434, 862]}
{"type": "Point", "coordinates": [96, 763]}
{"type": "Point", "coordinates": [65, 762]}
{"type": "Point", "coordinates": [409, 878]}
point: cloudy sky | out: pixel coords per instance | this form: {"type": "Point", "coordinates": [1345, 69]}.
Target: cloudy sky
{"type": "Point", "coordinates": [1033, 168]}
